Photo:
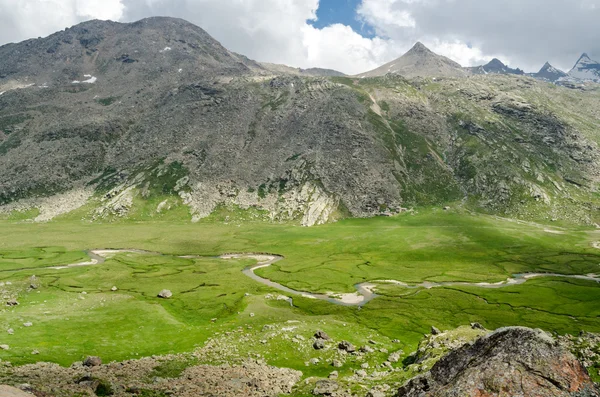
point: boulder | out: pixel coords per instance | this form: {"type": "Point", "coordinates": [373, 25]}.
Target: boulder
{"type": "Point", "coordinates": [319, 344]}
{"type": "Point", "coordinates": [435, 331]}
{"type": "Point", "coordinates": [513, 361]}
{"type": "Point", "coordinates": [325, 388]}
{"type": "Point", "coordinates": [347, 346]}
{"type": "Point", "coordinates": [165, 294]}
{"type": "Point", "coordinates": [12, 302]}
{"type": "Point", "coordinates": [322, 335]}
{"type": "Point", "coordinates": [395, 357]}
{"type": "Point", "coordinates": [92, 361]}
{"type": "Point", "coordinates": [477, 326]}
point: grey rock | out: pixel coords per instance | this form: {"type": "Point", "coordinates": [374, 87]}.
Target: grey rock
{"type": "Point", "coordinates": [361, 373]}
{"type": "Point", "coordinates": [319, 344]}
{"type": "Point", "coordinates": [165, 294]}
{"type": "Point", "coordinates": [477, 326]}
{"type": "Point", "coordinates": [435, 331]}
{"type": "Point", "coordinates": [375, 393]}
{"type": "Point", "coordinates": [337, 363]}
{"type": "Point", "coordinates": [333, 375]}
{"type": "Point", "coordinates": [92, 361]}
{"type": "Point", "coordinates": [395, 357]}
{"type": "Point", "coordinates": [367, 349]}
{"type": "Point", "coordinates": [523, 361]}
{"type": "Point", "coordinates": [325, 387]}
{"type": "Point", "coordinates": [347, 346]}
{"type": "Point", "coordinates": [322, 335]}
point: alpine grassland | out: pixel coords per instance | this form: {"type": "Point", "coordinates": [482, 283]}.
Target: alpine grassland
{"type": "Point", "coordinates": [75, 312]}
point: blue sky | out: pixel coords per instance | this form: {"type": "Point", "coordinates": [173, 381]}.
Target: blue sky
{"type": "Point", "coordinates": [341, 11]}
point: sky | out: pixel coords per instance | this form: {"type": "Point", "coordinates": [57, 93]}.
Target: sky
{"type": "Point", "coordinates": [351, 36]}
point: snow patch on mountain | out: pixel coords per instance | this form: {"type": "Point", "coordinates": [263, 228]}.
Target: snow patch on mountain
{"type": "Point", "coordinates": [585, 69]}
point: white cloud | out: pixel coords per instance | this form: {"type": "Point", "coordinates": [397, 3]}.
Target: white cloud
{"type": "Point", "coordinates": [24, 19]}
{"type": "Point", "coordinates": [339, 47]}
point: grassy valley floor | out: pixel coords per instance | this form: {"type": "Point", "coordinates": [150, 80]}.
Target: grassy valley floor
{"type": "Point", "coordinates": [226, 317]}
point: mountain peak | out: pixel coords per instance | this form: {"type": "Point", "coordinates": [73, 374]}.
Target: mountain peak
{"type": "Point", "coordinates": [419, 61]}
{"type": "Point", "coordinates": [495, 63]}
{"type": "Point", "coordinates": [585, 69]}
{"type": "Point", "coordinates": [420, 47]}
{"type": "Point", "coordinates": [549, 73]}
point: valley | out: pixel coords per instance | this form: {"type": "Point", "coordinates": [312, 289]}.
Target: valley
{"type": "Point", "coordinates": [177, 219]}
{"type": "Point", "coordinates": [75, 312]}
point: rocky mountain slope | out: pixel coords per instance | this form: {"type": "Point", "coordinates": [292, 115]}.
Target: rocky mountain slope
{"type": "Point", "coordinates": [419, 61]}
{"type": "Point", "coordinates": [109, 120]}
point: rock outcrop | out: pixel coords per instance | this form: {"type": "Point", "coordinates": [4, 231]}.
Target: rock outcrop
{"type": "Point", "coordinates": [508, 362]}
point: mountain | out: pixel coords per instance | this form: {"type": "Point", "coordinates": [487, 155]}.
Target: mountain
{"type": "Point", "coordinates": [155, 118]}
{"type": "Point", "coordinates": [419, 61]}
{"type": "Point", "coordinates": [585, 69]}
{"type": "Point", "coordinates": [549, 73]}
{"type": "Point", "coordinates": [495, 66]}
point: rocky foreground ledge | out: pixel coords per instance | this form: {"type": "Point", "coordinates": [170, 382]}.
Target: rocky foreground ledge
{"type": "Point", "coordinates": [508, 362]}
{"type": "Point", "coordinates": [513, 361]}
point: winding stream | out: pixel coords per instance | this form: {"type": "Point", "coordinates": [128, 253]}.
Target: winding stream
{"type": "Point", "coordinates": [364, 291]}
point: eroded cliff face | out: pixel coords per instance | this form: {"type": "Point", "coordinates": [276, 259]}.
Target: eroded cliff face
{"type": "Point", "coordinates": [98, 104]}
{"type": "Point", "coordinates": [508, 362]}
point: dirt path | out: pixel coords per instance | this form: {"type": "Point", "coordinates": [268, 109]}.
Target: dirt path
{"type": "Point", "coordinates": [364, 291]}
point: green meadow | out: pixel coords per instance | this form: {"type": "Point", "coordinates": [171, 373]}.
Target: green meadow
{"type": "Point", "coordinates": [75, 313]}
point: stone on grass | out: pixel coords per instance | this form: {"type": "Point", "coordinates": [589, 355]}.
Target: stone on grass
{"type": "Point", "coordinates": [322, 335]}
{"type": "Point", "coordinates": [165, 294]}
{"type": "Point", "coordinates": [334, 375]}
{"type": "Point", "coordinates": [92, 361]}
{"type": "Point", "coordinates": [477, 326]}
{"type": "Point", "coordinates": [395, 357]}
{"type": "Point", "coordinates": [375, 393]}
{"type": "Point", "coordinates": [325, 388]}
{"type": "Point", "coordinates": [12, 302]}
{"type": "Point", "coordinates": [27, 324]}
{"type": "Point", "coordinates": [347, 346]}
{"type": "Point", "coordinates": [337, 363]}
{"type": "Point", "coordinates": [4, 347]}
{"type": "Point", "coordinates": [435, 331]}
{"type": "Point", "coordinates": [319, 344]}
{"type": "Point", "coordinates": [114, 288]}
{"type": "Point", "coordinates": [367, 349]}
{"type": "Point", "coordinates": [361, 373]}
